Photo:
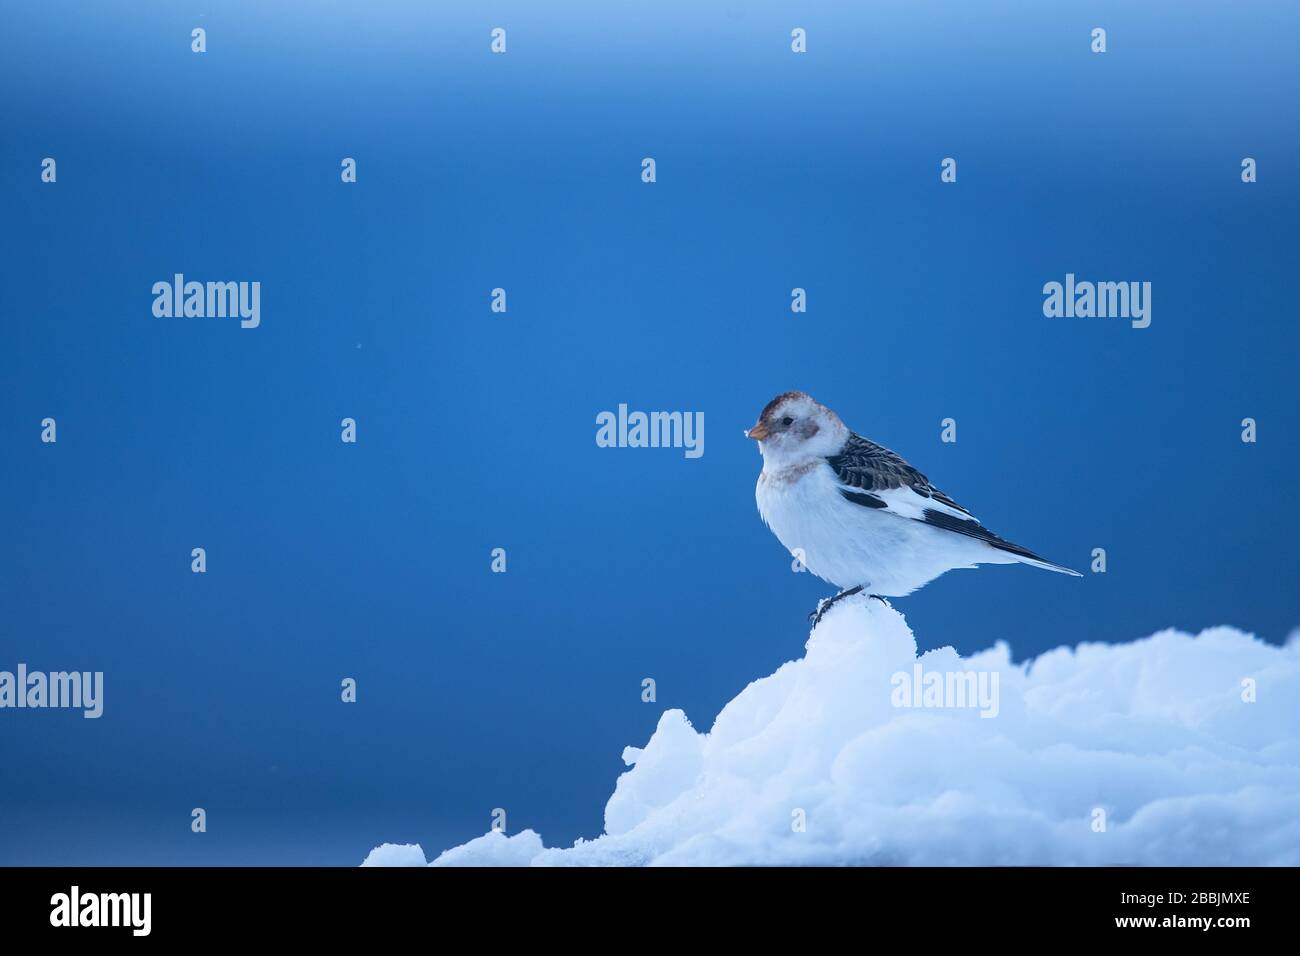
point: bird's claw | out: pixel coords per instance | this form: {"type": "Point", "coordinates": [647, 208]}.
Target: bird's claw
{"type": "Point", "coordinates": [825, 604]}
{"type": "Point", "coordinates": [815, 616]}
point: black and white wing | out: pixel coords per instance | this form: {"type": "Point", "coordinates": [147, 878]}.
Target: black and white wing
{"type": "Point", "coordinates": [872, 476]}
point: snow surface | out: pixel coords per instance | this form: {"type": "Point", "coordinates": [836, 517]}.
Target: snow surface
{"type": "Point", "coordinates": [395, 854]}
{"type": "Point", "coordinates": [1155, 733]}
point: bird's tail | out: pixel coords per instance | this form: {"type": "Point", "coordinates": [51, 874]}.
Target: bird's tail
{"type": "Point", "coordinates": [972, 528]}
{"type": "Point", "coordinates": [1025, 556]}
{"type": "Point", "coordinates": [1038, 562]}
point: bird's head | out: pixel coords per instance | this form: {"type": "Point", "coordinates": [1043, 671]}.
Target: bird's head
{"type": "Point", "coordinates": [795, 427]}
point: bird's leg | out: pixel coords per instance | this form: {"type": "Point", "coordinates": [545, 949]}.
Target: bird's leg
{"type": "Point", "coordinates": [825, 604]}
{"type": "Point", "coordinates": [882, 600]}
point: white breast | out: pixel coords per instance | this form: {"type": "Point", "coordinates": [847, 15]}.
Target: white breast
{"type": "Point", "coordinates": [848, 544]}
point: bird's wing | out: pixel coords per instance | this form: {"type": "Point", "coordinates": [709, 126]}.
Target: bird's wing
{"type": "Point", "coordinates": [870, 470]}
{"type": "Point", "coordinates": [872, 476]}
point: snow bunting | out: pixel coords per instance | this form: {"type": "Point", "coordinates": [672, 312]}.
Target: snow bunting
{"type": "Point", "coordinates": [859, 516]}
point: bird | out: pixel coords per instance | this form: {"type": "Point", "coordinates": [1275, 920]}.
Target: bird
{"type": "Point", "coordinates": [857, 515]}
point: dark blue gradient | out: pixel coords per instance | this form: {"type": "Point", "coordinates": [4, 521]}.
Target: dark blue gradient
{"type": "Point", "coordinates": [476, 430]}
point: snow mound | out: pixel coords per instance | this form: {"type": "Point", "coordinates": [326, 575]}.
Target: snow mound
{"type": "Point", "coordinates": [1171, 750]}
{"type": "Point", "coordinates": [395, 854]}
{"type": "Point", "coordinates": [494, 849]}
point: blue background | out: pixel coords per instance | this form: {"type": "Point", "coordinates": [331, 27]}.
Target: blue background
{"type": "Point", "coordinates": [476, 430]}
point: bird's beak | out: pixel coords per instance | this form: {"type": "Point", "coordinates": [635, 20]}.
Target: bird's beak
{"type": "Point", "coordinates": [758, 432]}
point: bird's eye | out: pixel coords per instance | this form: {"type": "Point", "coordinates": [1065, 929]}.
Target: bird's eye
{"type": "Point", "coordinates": [787, 421]}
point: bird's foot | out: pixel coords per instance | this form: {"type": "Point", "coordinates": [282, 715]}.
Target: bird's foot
{"type": "Point", "coordinates": [882, 600]}
{"type": "Point", "coordinates": [815, 616]}
{"type": "Point", "coordinates": [825, 604]}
